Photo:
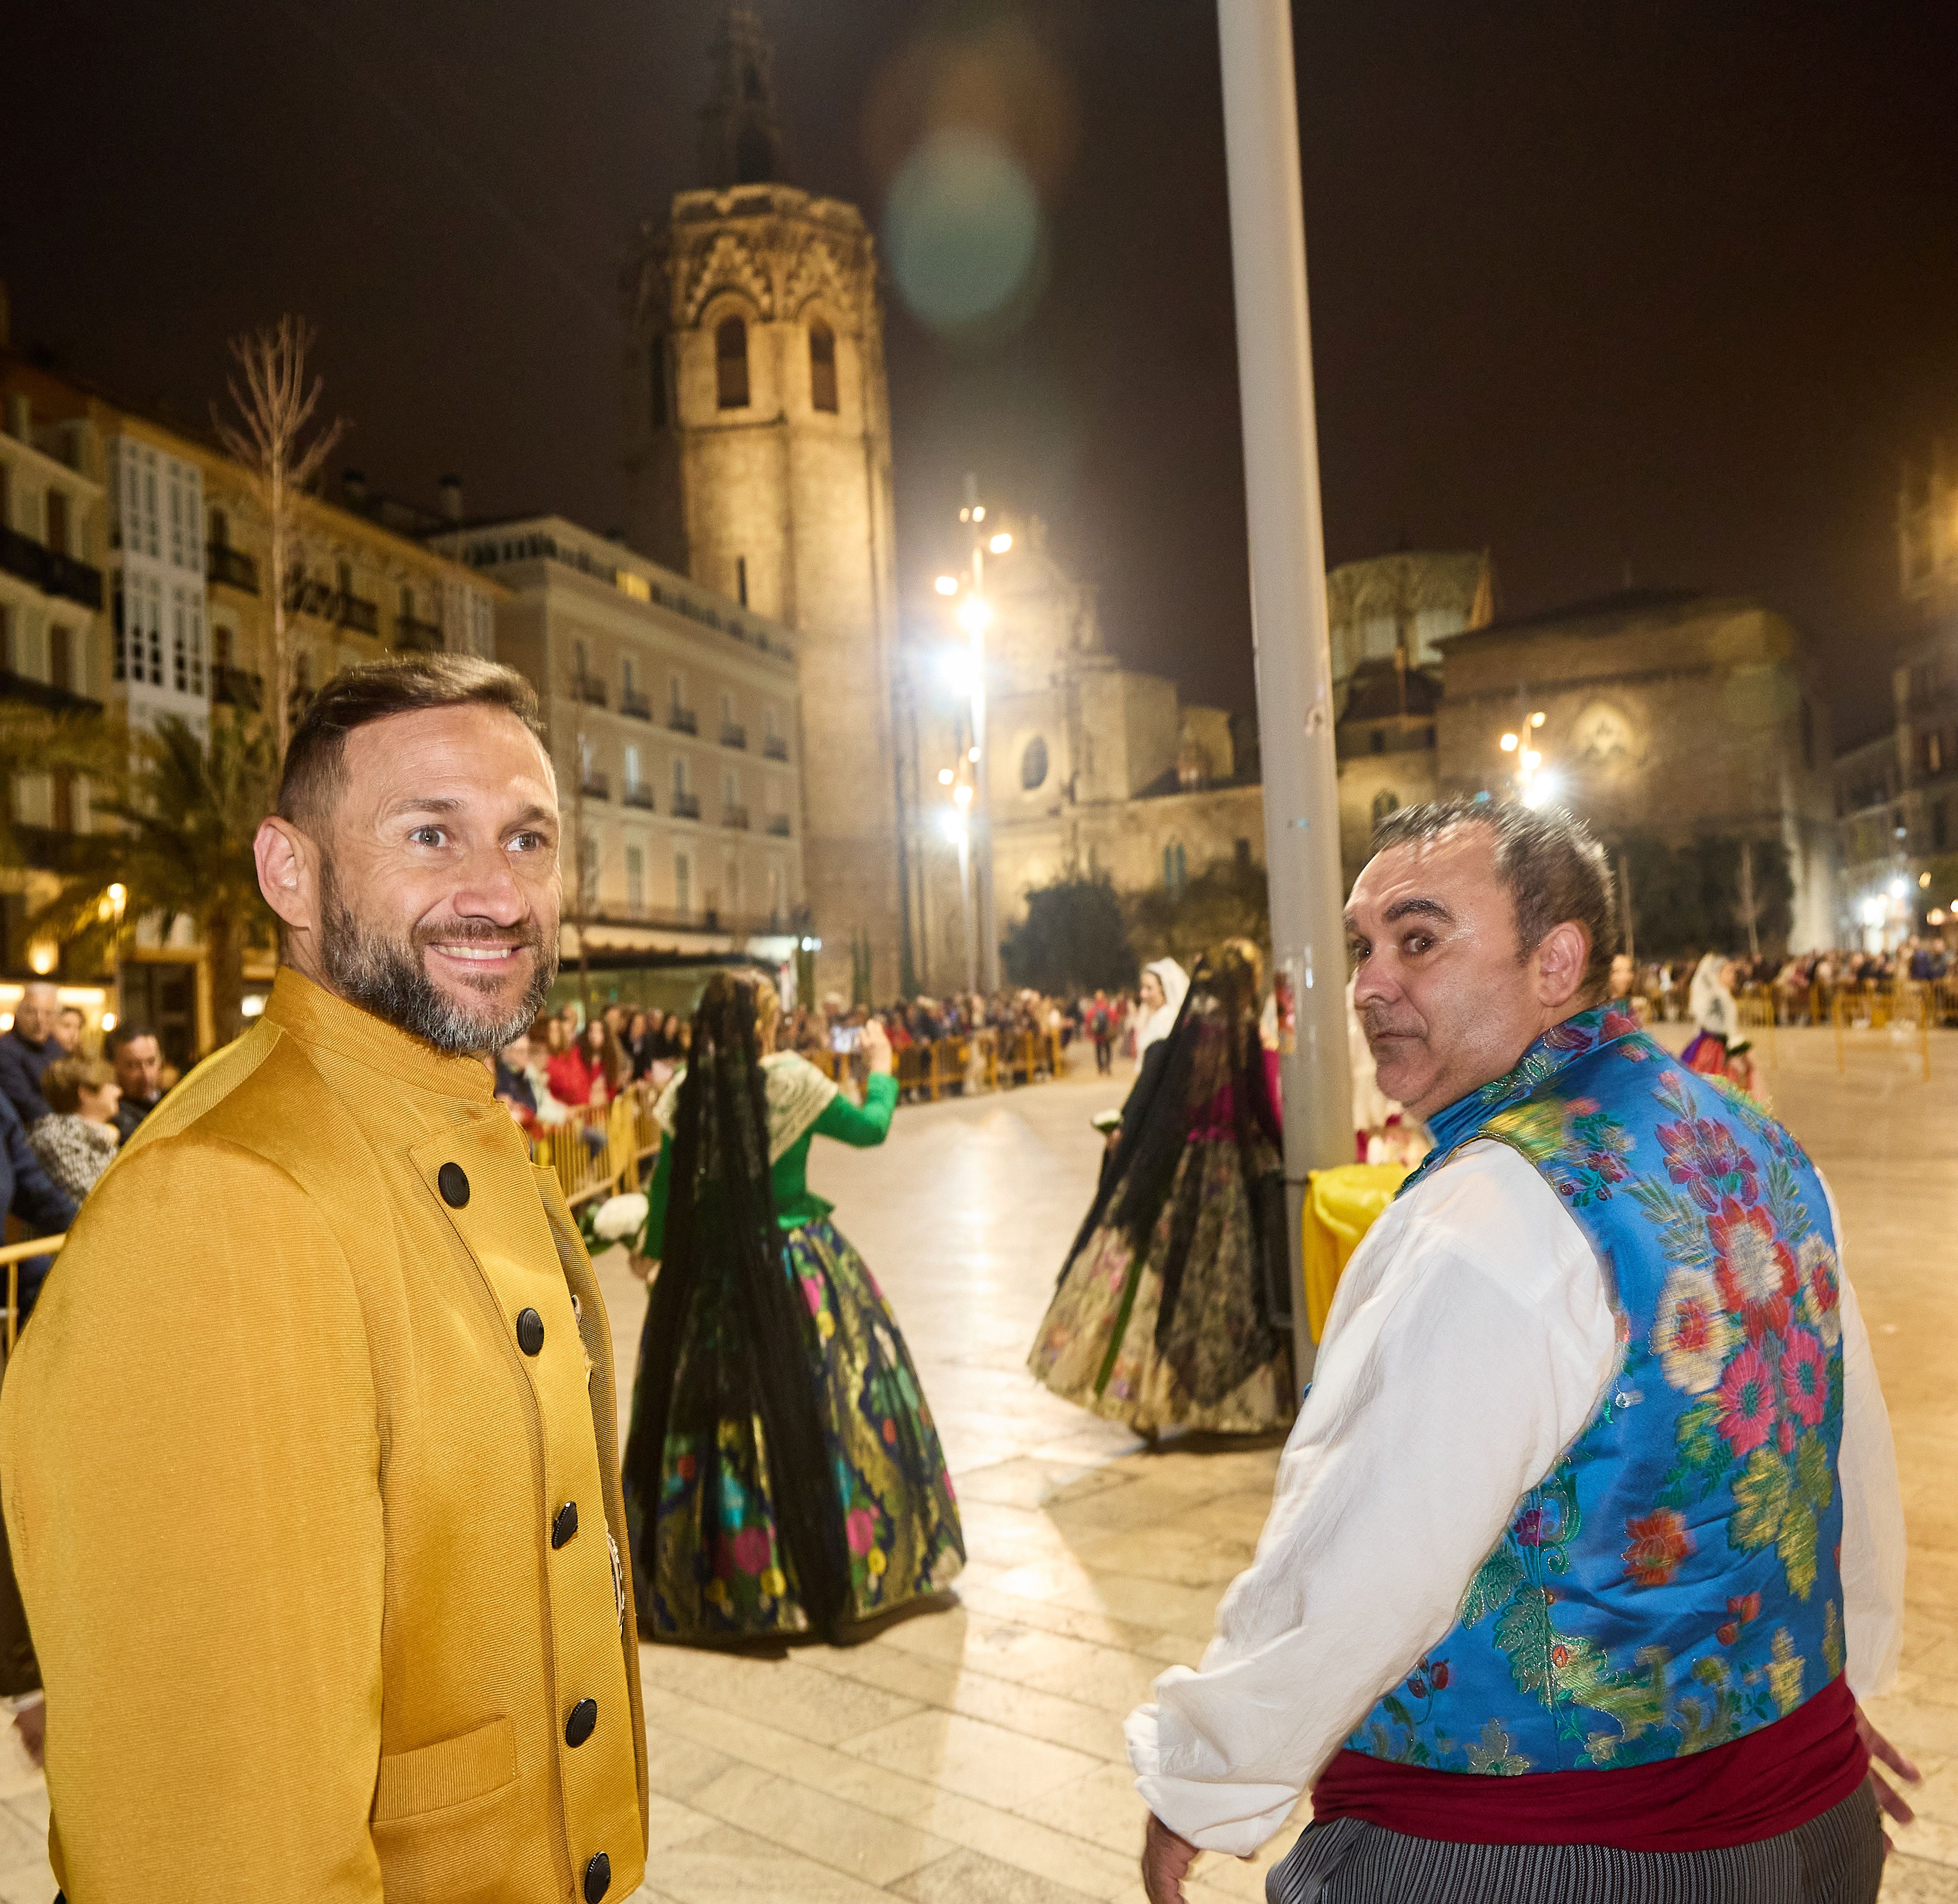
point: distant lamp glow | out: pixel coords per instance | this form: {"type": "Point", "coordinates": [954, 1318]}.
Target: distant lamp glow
{"type": "Point", "coordinates": [252, 1005]}
{"type": "Point", "coordinates": [954, 823]}
{"type": "Point", "coordinates": [947, 584]}
{"type": "Point", "coordinates": [1896, 892]}
{"type": "Point", "coordinates": [1935, 917]}
{"type": "Point", "coordinates": [963, 795]}
{"type": "Point", "coordinates": [979, 512]}
{"type": "Point", "coordinates": [945, 777]}
{"type": "Point", "coordinates": [108, 1021]}
{"type": "Point", "coordinates": [1924, 879]}
{"type": "Point", "coordinates": [1539, 790]}
{"type": "Point", "coordinates": [1509, 743]}
{"type": "Point", "coordinates": [972, 754]}
{"type": "Point", "coordinates": [974, 616]}
{"type": "Point", "coordinates": [1533, 760]}
{"type": "Point", "coordinates": [965, 515]}
{"type": "Point", "coordinates": [1001, 543]}
{"type": "Point", "coordinates": [1536, 720]}
{"type": "Point", "coordinates": [43, 957]}
{"type": "Point", "coordinates": [1872, 910]}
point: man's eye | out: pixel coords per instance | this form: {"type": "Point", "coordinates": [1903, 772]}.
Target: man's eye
{"type": "Point", "coordinates": [426, 836]}
{"type": "Point", "coordinates": [529, 843]}
{"type": "Point", "coordinates": [1419, 941]}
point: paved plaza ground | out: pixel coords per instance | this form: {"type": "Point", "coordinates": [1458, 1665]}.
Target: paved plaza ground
{"type": "Point", "coordinates": [974, 1756]}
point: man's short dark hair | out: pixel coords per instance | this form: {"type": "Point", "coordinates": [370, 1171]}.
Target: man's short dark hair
{"type": "Point", "coordinates": [1550, 863]}
{"type": "Point", "coordinates": [127, 1034]}
{"type": "Point", "coordinates": [373, 691]}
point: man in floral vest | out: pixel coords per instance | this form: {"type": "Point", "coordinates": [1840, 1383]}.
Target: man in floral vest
{"type": "Point", "coordinates": [1587, 1540]}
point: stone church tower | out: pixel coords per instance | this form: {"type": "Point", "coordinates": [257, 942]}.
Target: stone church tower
{"type": "Point", "coordinates": [757, 460]}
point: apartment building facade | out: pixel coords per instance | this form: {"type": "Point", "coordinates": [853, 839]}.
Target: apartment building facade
{"type": "Point", "coordinates": [675, 724]}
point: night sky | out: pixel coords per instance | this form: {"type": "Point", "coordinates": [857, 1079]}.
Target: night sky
{"type": "Point", "coordinates": [1668, 289]}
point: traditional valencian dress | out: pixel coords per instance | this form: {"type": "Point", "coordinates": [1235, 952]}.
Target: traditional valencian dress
{"type": "Point", "coordinates": [1171, 1310]}
{"type": "Point", "coordinates": [712, 1558]}
{"type": "Point", "coordinates": [1591, 1519]}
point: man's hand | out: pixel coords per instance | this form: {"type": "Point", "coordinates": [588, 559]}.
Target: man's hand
{"type": "Point", "coordinates": [1166, 1862]}
{"type": "Point", "coordinates": [1888, 1799]}
{"type": "Point", "coordinates": [875, 1047]}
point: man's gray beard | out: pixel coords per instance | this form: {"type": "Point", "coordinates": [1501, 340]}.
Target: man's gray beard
{"type": "Point", "coordinates": [387, 977]}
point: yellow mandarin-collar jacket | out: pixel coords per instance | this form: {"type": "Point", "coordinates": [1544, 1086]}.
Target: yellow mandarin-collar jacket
{"type": "Point", "coordinates": [288, 1452]}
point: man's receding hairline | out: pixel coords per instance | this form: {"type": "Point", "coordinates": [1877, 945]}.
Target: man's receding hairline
{"type": "Point", "coordinates": [333, 778]}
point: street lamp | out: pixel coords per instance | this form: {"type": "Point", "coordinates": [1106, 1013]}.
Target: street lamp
{"type": "Point", "coordinates": [975, 616]}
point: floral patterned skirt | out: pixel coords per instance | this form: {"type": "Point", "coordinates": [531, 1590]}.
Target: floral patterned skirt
{"type": "Point", "coordinates": [710, 1564]}
{"type": "Point", "coordinates": [1098, 1346]}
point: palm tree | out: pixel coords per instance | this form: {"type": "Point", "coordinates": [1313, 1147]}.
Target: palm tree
{"type": "Point", "coordinates": [186, 811]}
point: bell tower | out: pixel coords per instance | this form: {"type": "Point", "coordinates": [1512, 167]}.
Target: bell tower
{"type": "Point", "coordinates": [758, 461]}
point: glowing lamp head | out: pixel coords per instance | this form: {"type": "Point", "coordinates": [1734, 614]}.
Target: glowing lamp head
{"type": "Point", "coordinates": [1001, 543]}
{"type": "Point", "coordinates": [978, 513]}
{"type": "Point", "coordinates": [1924, 879]}
{"type": "Point", "coordinates": [946, 584]}
{"type": "Point", "coordinates": [1896, 892]}
{"type": "Point", "coordinates": [1533, 760]}
{"type": "Point", "coordinates": [43, 957]}
{"type": "Point", "coordinates": [1509, 743]}
{"type": "Point", "coordinates": [108, 1021]}
{"type": "Point", "coordinates": [1536, 720]}
{"type": "Point", "coordinates": [974, 616]}
{"type": "Point", "coordinates": [946, 777]}
{"type": "Point", "coordinates": [963, 795]}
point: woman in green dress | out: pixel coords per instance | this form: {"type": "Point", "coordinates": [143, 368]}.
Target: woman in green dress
{"type": "Point", "coordinates": [782, 1474]}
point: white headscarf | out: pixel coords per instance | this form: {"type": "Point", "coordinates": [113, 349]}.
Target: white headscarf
{"type": "Point", "coordinates": [1709, 1002]}
{"type": "Point", "coordinates": [1175, 982]}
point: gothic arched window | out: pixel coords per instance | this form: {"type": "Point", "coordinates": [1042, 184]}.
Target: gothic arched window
{"type": "Point", "coordinates": [730, 363]}
{"type": "Point", "coordinates": [1033, 763]}
{"type": "Point", "coordinates": [822, 366]}
{"type": "Point", "coordinates": [661, 410]}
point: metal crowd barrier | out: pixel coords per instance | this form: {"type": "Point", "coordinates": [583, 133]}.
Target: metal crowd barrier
{"type": "Point", "coordinates": [598, 1149]}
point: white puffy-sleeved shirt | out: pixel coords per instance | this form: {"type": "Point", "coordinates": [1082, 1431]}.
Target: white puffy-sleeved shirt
{"type": "Point", "coordinates": [1468, 1348]}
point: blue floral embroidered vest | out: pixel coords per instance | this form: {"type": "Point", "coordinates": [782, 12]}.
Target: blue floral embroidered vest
{"type": "Point", "coordinates": [1674, 1582]}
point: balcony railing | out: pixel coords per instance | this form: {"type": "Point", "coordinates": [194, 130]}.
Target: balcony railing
{"type": "Point", "coordinates": [596, 785]}
{"type": "Point", "coordinates": [589, 689]}
{"type": "Point", "coordinates": [52, 574]}
{"type": "Point", "coordinates": [635, 706]}
{"type": "Point", "coordinates": [686, 806]}
{"type": "Point", "coordinates": [415, 636]}
{"type": "Point", "coordinates": [735, 816]}
{"type": "Point", "coordinates": [641, 795]}
{"type": "Point", "coordinates": [350, 611]}
{"type": "Point", "coordinates": [778, 824]}
{"type": "Point", "coordinates": [234, 687]}
{"type": "Point", "coordinates": [306, 596]}
{"type": "Point", "coordinates": [776, 746]}
{"type": "Point", "coordinates": [683, 720]}
{"type": "Point", "coordinates": [231, 567]}
{"type": "Point", "coordinates": [732, 734]}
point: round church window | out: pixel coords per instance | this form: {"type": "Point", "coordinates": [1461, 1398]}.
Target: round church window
{"type": "Point", "coordinates": [1033, 763]}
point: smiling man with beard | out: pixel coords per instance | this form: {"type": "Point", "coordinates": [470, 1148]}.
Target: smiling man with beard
{"type": "Point", "coordinates": [1587, 1540]}
{"type": "Point", "coordinates": [309, 1455]}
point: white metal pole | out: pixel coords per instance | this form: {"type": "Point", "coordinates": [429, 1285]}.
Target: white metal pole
{"type": "Point", "coordinates": [1287, 550]}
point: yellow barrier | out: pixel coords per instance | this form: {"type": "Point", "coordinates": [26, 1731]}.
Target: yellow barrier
{"type": "Point", "coordinates": [1342, 1205]}
{"type": "Point", "coordinates": [13, 1255]}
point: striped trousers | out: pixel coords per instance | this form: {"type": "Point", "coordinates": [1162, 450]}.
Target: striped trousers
{"type": "Point", "coordinates": [1837, 1858]}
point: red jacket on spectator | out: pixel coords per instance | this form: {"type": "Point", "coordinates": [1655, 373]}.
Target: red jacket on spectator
{"type": "Point", "coordinates": [572, 1077]}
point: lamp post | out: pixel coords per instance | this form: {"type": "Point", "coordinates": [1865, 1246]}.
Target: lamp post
{"type": "Point", "coordinates": [975, 616]}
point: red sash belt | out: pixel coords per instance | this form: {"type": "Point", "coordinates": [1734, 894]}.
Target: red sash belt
{"type": "Point", "coordinates": [1779, 1776]}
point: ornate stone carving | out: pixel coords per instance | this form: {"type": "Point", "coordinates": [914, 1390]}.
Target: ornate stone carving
{"type": "Point", "coordinates": [728, 264]}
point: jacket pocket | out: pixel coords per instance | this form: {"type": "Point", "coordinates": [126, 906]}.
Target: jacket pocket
{"type": "Point", "coordinates": [451, 1771]}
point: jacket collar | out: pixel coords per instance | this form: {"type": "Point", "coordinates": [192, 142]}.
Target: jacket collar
{"type": "Point", "coordinates": [316, 1016]}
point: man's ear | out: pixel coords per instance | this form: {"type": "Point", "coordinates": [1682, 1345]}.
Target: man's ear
{"type": "Point", "coordinates": [288, 865]}
{"type": "Point", "coordinates": [1561, 956]}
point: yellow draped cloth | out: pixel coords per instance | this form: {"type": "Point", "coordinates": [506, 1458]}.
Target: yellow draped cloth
{"type": "Point", "coordinates": [1341, 1205]}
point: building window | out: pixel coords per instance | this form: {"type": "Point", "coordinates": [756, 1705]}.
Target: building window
{"type": "Point", "coordinates": [635, 879]}
{"type": "Point", "coordinates": [775, 907]}
{"type": "Point", "coordinates": [822, 366]}
{"type": "Point", "coordinates": [1934, 753]}
{"type": "Point", "coordinates": [1240, 850]}
{"type": "Point", "coordinates": [1176, 867]}
{"type": "Point", "coordinates": [682, 883]}
{"type": "Point", "coordinates": [1377, 740]}
{"type": "Point", "coordinates": [741, 580]}
{"type": "Point", "coordinates": [681, 789]}
{"type": "Point", "coordinates": [626, 683]}
{"type": "Point", "coordinates": [58, 523]}
{"type": "Point", "coordinates": [61, 658]}
{"type": "Point", "coordinates": [730, 364]}
{"type": "Point", "coordinates": [221, 530]}
{"type": "Point", "coordinates": [632, 770]}
{"type": "Point", "coordinates": [1033, 763]}
{"type": "Point", "coordinates": [1385, 801]}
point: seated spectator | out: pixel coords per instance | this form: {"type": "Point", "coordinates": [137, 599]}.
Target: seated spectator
{"type": "Point", "coordinates": [28, 1049]}
{"type": "Point", "coordinates": [77, 1140]}
{"type": "Point", "coordinates": [138, 1059]}
{"type": "Point", "coordinates": [514, 1089]}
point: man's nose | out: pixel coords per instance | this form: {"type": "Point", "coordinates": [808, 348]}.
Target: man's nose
{"type": "Point", "coordinates": [490, 890]}
{"type": "Point", "coordinates": [1374, 982]}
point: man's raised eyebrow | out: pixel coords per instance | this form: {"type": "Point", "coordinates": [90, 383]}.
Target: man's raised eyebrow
{"type": "Point", "coordinates": [1410, 908]}
{"type": "Point", "coordinates": [425, 803]}
{"type": "Point", "coordinates": [536, 816]}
